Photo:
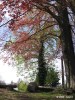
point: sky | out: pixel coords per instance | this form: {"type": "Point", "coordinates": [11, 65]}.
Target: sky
{"type": "Point", "coordinates": [8, 73]}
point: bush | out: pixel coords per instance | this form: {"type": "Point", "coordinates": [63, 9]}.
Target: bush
{"type": "Point", "coordinates": [52, 77]}
{"type": "Point", "coordinates": [22, 86]}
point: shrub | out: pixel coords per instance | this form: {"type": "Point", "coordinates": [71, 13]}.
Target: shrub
{"type": "Point", "coordinates": [52, 77]}
{"type": "Point", "coordinates": [22, 86]}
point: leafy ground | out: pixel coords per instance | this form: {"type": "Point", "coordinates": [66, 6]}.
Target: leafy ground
{"type": "Point", "coordinates": [11, 95]}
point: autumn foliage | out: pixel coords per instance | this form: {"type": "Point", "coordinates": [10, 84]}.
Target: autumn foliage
{"type": "Point", "coordinates": [28, 24]}
{"type": "Point", "coordinates": [30, 21]}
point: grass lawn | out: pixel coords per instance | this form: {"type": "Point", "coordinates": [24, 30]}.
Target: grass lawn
{"type": "Point", "coordinates": [11, 95]}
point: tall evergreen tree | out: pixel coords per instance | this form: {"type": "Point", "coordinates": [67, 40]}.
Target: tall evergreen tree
{"type": "Point", "coordinates": [42, 71]}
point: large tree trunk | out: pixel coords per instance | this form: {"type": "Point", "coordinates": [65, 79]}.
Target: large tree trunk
{"type": "Point", "coordinates": [67, 44]}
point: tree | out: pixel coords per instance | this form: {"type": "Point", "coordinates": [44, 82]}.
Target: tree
{"type": "Point", "coordinates": [42, 70]}
{"type": "Point", "coordinates": [52, 78]}
{"type": "Point", "coordinates": [35, 48]}
{"type": "Point", "coordinates": [55, 9]}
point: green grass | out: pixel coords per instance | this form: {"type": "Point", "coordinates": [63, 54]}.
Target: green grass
{"type": "Point", "coordinates": [11, 95]}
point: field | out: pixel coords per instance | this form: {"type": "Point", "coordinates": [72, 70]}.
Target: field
{"type": "Point", "coordinates": [12, 95]}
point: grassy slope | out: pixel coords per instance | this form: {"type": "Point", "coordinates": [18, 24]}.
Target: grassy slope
{"type": "Point", "coordinates": [9, 95]}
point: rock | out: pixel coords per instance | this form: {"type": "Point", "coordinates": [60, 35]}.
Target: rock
{"type": "Point", "coordinates": [32, 87]}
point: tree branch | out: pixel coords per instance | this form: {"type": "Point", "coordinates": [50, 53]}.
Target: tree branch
{"type": "Point", "coordinates": [13, 19]}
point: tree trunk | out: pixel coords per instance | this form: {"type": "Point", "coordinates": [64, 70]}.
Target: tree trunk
{"type": "Point", "coordinates": [67, 72]}
{"type": "Point", "coordinates": [62, 72]}
{"type": "Point", "coordinates": [67, 44]}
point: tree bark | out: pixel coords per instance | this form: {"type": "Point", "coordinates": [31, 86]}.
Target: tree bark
{"type": "Point", "coordinates": [67, 44]}
{"type": "Point", "coordinates": [62, 71]}
{"type": "Point", "coordinates": [67, 72]}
